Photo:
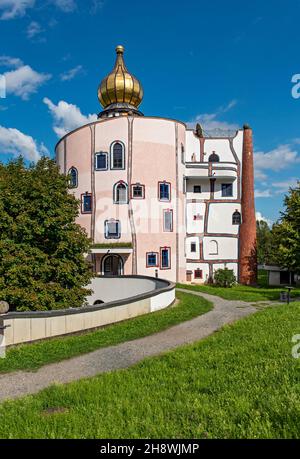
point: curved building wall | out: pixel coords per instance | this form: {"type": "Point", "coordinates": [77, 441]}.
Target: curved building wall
{"type": "Point", "coordinates": [152, 154]}
{"type": "Point", "coordinates": [203, 196]}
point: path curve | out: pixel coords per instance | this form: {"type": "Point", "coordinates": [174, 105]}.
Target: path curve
{"type": "Point", "coordinates": [18, 384]}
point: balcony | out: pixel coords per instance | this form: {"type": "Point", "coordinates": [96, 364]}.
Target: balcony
{"type": "Point", "coordinates": [207, 171]}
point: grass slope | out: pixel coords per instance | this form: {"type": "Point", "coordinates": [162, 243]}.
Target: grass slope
{"type": "Point", "coordinates": [241, 382]}
{"type": "Point", "coordinates": [33, 356]}
{"type": "Point", "coordinates": [240, 292]}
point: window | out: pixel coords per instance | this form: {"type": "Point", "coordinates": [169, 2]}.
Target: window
{"type": "Point", "coordinates": [193, 247]}
{"type": "Point", "coordinates": [236, 218]}
{"type": "Point", "coordinates": [226, 189]}
{"type": "Point", "coordinates": [86, 203]}
{"type": "Point", "coordinates": [182, 154]}
{"type": "Point", "coordinates": [164, 190]}
{"type": "Point", "coordinates": [117, 156]}
{"type": "Point", "coordinates": [101, 161]}
{"type": "Point", "coordinates": [198, 217]}
{"type": "Point", "coordinates": [213, 158]}
{"type": "Point", "coordinates": [198, 274]}
{"type": "Point", "coordinates": [213, 248]}
{"type": "Point", "coordinates": [197, 188]}
{"type": "Point", "coordinates": [165, 258]}
{"type": "Point", "coordinates": [112, 229]}
{"type": "Point", "coordinates": [168, 220]}
{"type": "Point", "coordinates": [151, 259]}
{"type": "Point", "coordinates": [138, 191]}
{"type": "Point", "coordinates": [121, 193]}
{"type": "Point", "coordinates": [73, 177]}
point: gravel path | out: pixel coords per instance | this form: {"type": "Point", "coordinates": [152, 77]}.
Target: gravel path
{"type": "Point", "coordinates": [17, 384]}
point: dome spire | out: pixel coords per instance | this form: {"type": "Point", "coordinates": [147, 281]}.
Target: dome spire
{"type": "Point", "coordinates": [120, 92]}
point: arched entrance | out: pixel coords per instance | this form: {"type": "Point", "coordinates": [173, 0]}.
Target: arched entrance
{"type": "Point", "coordinates": [112, 265]}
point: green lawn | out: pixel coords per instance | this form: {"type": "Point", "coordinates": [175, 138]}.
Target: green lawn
{"type": "Point", "coordinates": [240, 292]}
{"type": "Point", "coordinates": [33, 356]}
{"type": "Point", "coordinates": [241, 382]}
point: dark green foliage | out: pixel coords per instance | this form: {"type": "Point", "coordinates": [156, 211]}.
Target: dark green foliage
{"type": "Point", "coordinates": [41, 247]}
{"type": "Point", "coordinates": [265, 244]}
{"type": "Point", "coordinates": [224, 278]}
{"type": "Point", "coordinates": [286, 233]}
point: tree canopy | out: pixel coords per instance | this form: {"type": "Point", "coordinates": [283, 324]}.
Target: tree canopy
{"type": "Point", "coordinates": [42, 263]}
{"type": "Point", "coordinates": [286, 232]}
{"type": "Point", "coordinates": [265, 243]}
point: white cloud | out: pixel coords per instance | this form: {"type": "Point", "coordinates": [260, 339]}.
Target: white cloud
{"type": "Point", "coordinates": [70, 74]}
{"type": "Point", "coordinates": [67, 116]}
{"type": "Point", "coordinates": [260, 175]}
{"type": "Point", "coordinates": [283, 186]}
{"type": "Point", "coordinates": [8, 61]}
{"type": "Point", "coordinates": [67, 6]}
{"type": "Point", "coordinates": [260, 217]}
{"type": "Point", "coordinates": [96, 6]}
{"type": "Point", "coordinates": [277, 159]}
{"type": "Point", "coordinates": [33, 29]}
{"type": "Point", "coordinates": [211, 122]}
{"type": "Point", "coordinates": [263, 193]}
{"type": "Point", "coordinates": [24, 81]}
{"type": "Point", "coordinates": [13, 141]}
{"type": "Point", "coordinates": [14, 8]}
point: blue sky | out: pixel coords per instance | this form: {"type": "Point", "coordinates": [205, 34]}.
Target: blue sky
{"type": "Point", "coordinates": [222, 63]}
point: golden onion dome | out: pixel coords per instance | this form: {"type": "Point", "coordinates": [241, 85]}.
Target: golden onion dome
{"type": "Point", "coordinates": [120, 87]}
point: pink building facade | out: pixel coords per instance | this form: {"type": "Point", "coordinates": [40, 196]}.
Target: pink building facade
{"type": "Point", "coordinates": [157, 198]}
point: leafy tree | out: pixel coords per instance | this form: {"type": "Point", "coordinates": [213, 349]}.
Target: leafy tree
{"type": "Point", "coordinates": [224, 277]}
{"type": "Point", "coordinates": [42, 263]}
{"type": "Point", "coordinates": [286, 232]}
{"type": "Point", "coordinates": [265, 243]}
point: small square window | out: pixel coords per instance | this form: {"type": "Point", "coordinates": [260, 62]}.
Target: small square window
{"type": "Point", "coordinates": [152, 259]}
{"type": "Point", "coordinates": [193, 247]}
{"type": "Point", "coordinates": [197, 189]}
{"type": "Point", "coordinates": [198, 217]}
{"type": "Point", "coordinates": [112, 229]}
{"type": "Point", "coordinates": [86, 203]}
{"type": "Point", "coordinates": [164, 191]}
{"type": "Point", "coordinates": [227, 190]}
{"type": "Point", "coordinates": [101, 161]}
{"type": "Point", "coordinates": [198, 274]}
{"type": "Point", "coordinates": [138, 191]}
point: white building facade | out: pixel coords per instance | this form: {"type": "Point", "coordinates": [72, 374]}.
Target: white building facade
{"type": "Point", "coordinates": [157, 198]}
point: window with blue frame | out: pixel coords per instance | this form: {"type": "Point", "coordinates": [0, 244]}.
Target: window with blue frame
{"type": "Point", "coordinates": [101, 161]}
{"type": "Point", "coordinates": [86, 203]}
{"type": "Point", "coordinates": [152, 259]}
{"type": "Point", "coordinates": [164, 191]}
{"type": "Point", "coordinates": [112, 229]}
{"type": "Point", "coordinates": [227, 190]}
{"type": "Point", "coordinates": [165, 259]}
{"type": "Point", "coordinates": [73, 177]}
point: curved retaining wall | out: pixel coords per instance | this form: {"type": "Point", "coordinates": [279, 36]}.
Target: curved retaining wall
{"type": "Point", "coordinates": [130, 296]}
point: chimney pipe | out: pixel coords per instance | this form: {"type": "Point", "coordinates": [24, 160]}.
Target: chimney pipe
{"type": "Point", "coordinates": [247, 236]}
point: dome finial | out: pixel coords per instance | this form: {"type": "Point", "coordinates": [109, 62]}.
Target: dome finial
{"type": "Point", "coordinates": [120, 92]}
{"type": "Point", "coordinates": [120, 49]}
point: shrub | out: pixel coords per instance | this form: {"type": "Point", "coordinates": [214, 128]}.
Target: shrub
{"type": "Point", "coordinates": [224, 277]}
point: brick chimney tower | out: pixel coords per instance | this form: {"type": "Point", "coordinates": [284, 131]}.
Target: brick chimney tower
{"type": "Point", "coordinates": [247, 237]}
